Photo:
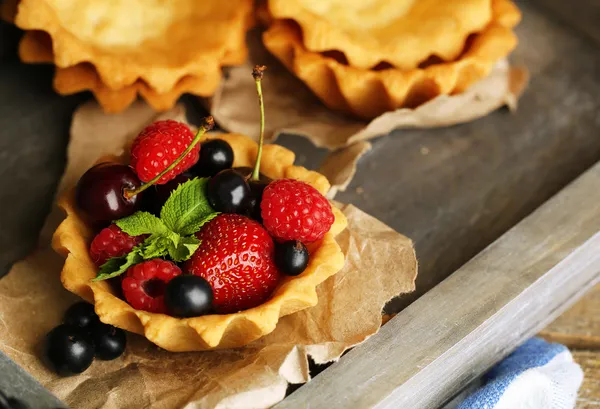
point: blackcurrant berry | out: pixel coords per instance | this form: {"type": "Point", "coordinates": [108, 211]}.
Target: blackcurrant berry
{"type": "Point", "coordinates": [188, 296]}
{"type": "Point", "coordinates": [156, 196]}
{"type": "Point", "coordinates": [81, 315]}
{"type": "Point", "coordinates": [215, 155]}
{"type": "Point", "coordinates": [257, 188]}
{"type": "Point", "coordinates": [228, 192]}
{"type": "Point", "coordinates": [109, 341]}
{"type": "Point", "coordinates": [100, 192]}
{"type": "Point", "coordinates": [69, 350]}
{"type": "Point", "coordinates": [291, 257]}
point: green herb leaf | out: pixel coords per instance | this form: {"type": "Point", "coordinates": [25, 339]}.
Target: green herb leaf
{"type": "Point", "coordinates": [118, 265]}
{"type": "Point", "coordinates": [155, 246]}
{"type": "Point", "coordinates": [184, 249]}
{"type": "Point", "coordinates": [186, 210]}
{"type": "Point", "coordinates": [142, 223]}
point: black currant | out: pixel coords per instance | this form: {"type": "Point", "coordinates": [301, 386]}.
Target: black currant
{"type": "Point", "coordinates": [69, 350]}
{"type": "Point", "coordinates": [228, 192]}
{"type": "Point", "coordinates": [100, 192]}
{"type": "Point", "coordinates": [109, 341]}
{"type": "Point", "coordinates": [188, 296]}
{"type": "Point", "coordinates": [257, 187]}
{"type": "Point", "coordinates": [215, 155]}
{"type": "Point", "coordinates": [291, 257]}
{"type": "Point", "coordinates": [81, 315]}
{"type": "Point", "coordinates": [156, 196]}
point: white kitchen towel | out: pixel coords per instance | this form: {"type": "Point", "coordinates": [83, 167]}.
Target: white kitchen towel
{"type": "Point", "coordinates": [537, 375]}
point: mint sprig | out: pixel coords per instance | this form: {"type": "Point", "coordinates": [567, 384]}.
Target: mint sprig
{"type": "Point", "coordinates": [172, 235]}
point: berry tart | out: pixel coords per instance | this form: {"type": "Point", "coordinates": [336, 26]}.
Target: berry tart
{"type": "Point", "coordinates": [197, 241]}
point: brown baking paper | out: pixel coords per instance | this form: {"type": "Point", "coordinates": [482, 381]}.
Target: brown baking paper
{"type": "Point", "coordinates": [380, 264]}
{"type": "Point", "coordinates": [292, 108]}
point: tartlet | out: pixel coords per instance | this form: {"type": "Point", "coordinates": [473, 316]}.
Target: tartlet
{"type": "Point", "coordinates": [72, 238]}
{"type": "Point", "coordinates": [368, 93]}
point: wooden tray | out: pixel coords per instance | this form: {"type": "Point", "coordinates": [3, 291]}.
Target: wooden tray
{"type": "Point", "coordinates": [453, 190]}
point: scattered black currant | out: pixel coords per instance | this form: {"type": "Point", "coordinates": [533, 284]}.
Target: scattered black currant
{"type": "Point", "coordinates": [291, 257]}
{"type": "Point", "coordinates": [215, 155]}
{"type": "Point", "coordinates": [109, 341]}
{"type": "Point", "coordinates": [81, 315]}
{"type": "Point", "coordinates": [69, 350]}
{"type": "Point", "coordinates": [188, 296]}
{"type": "Point", "coordinates": [228, 192]}
{"type": "Point", "coordinates": [100, 192]}
{"type": "Point", "coordinates": [156, 196]}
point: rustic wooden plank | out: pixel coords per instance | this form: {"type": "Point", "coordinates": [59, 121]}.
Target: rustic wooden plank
{"type": "Point", "coordinates": [511, 290]}
{"type": "Point", "coordinates": [589, 393]}
{"type": "Point", "coordinates": [579, 327]}
{"type": "Point", "coordinates": [580, 15]}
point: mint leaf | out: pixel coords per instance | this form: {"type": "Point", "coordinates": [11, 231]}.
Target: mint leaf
{"type": "Point", "coordinates": [155, 246]}
{"type": "Point", "coordinates": [186, 209]}
{"type": "Point", "coordinates": [184, 249]}
{"type": "Point", "coordinates": [194, 227]}
{"type": "Point", "coordinates": [142, 223]}
{"type": "Point", "coordinates": [118, 265]}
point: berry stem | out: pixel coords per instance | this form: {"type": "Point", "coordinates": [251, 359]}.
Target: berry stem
{"type": "Point", "coordinates": [258, 73]}
{"type": "Point", "coordinates": [207, 125]}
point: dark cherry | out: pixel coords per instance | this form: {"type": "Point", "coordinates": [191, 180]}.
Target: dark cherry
{"type": "Point", "coordinates": [81, 315]}
{"type": "Point", "coordinates": [291, 257]}
{"type": "Point", "coordinates": [109, 341]}
{"type": "Point", "coordinates": [215, 155]}
{"type": "Point", "coordinates": [228, 192]}
{"type": "Point", "coordinates": [188, 296]}
{"type": "Point", "coordinates": [257, 188]}
{"type": "Point", "coordinates": [156, 195]}
{"type": "Point", "coordinates": [69, 350]}
{"type": "Point", "coordinates": [100, 190]}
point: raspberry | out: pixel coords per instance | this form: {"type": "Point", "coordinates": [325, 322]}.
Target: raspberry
{"type": "Point", "coordinates": [112, 242]}
{"type": "Point", "coordinates": [236, 257]}
{"type": "Point", "coordinates": [158, 146]}
{"type": "Point", "coordinates": [144, 284]}
{"type": "Point", "coordinates": [294, 210]}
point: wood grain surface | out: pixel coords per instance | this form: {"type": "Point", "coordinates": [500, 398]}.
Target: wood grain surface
{"type": "Point", "coordinates": [510, 291]}
{"type": "Point", "coordinates": [579, 329]}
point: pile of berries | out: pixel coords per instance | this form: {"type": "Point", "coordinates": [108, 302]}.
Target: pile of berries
{"type": "Point", "coordinates": [71, 347]}
{"type": "Point", "coordinates": [257, 233]}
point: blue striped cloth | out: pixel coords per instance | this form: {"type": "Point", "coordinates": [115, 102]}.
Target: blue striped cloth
{"type": "Point", "coordinates": [537, 375]}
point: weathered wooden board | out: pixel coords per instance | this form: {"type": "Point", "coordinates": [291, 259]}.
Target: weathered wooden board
{"type": "Point", "coordinates": [507, 293]}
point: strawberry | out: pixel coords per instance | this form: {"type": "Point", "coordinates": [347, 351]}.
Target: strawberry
{"type": "Point", "coordinates": [158, 146]}
{"type": "Point", "coordinates": [144, 284]}
{"type": "Point", "coordinates": [236, 257]}
{"type": "Point", "coordinates": [294, 210]}
{"type": "Point", "coordinates": [112, 242]}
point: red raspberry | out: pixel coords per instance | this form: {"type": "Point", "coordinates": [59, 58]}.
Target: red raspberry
{"type": "Point", "coordinates": [157, 147]}
{"type": "Point", "coordinates": [294, 210]}
{"type": "Point", "coordinates": [112, 242]}
{"type": "Point", "coordinates": [237, 258]}
{"type": "Point", "coordinates": [144, 284]}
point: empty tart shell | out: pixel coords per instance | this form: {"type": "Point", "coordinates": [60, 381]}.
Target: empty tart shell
{"type": "Point", "coordinates": [73, 236]}
{"type": "Point", "coordinates": [155, 41]}
{"type": "Point", "coordinates": [370, 93]}
{"type": "Point", "coordinates": [402, 33]}
{"type": "Point", "coordinates": [36, 47]}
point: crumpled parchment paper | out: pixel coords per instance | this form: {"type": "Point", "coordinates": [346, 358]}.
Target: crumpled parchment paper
{"type": "Point", "coordinates": [292, 108]}
{"type": "Point", "coordinates": [380, 264]}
